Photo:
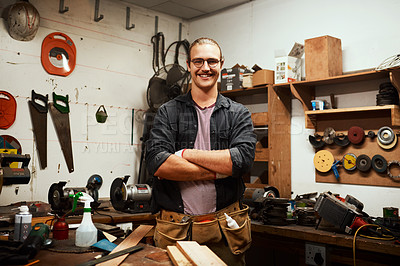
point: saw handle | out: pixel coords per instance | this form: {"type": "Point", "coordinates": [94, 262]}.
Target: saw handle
{"type": "Point", "coordinates": [39, 97]}
{"type": "Point", "coordinates": [59, 98]}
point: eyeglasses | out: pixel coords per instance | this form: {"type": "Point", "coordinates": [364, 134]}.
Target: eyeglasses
{"type": "Point", "coordinates": [199, 62]}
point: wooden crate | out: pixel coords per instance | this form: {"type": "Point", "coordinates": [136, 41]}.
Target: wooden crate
{"type": "Point", "coordinates": [323, 57]}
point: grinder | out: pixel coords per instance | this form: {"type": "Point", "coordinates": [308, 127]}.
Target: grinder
{"type": "Point", "coordinates": [60, 200]}
{"type": "Point", "coordinates": [130, 198]}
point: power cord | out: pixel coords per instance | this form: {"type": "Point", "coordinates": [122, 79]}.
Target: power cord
{"type": "Point", "coordinates": [387, 237]}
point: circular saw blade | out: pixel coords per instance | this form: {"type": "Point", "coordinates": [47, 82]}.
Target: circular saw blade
{"type": "Point", "coordinates": [118, 194]}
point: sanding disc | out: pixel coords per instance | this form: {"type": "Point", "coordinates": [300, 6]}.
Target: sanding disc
{"type": "Point", "coordinates": [356, 135]}
{"type": "Point", "coordinates": [363, 163]}
{"type": "Point", "coordinates": [323, 161]}
{"type": "Point", "coordinates": [349, 161]}
{"type": "Point", "coordinates": [391, 145]}
{"type": "Point", "coordinates": [58, 54]}
{"type": "Point", "coordinates": [8, 109]}
{"type": "Point", "coordinates": [379, 163]}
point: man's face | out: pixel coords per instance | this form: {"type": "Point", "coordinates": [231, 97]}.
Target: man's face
{"type": "Point", "coordinates": [205, 77]}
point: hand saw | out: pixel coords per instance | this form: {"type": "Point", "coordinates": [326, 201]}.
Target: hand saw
{"type": "Point", "coordinates": [39, 122]}
{"type": "Point", "coordinates": [60, 116]}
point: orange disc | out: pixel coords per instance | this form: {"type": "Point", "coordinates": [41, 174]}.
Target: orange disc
{"type": "Point", "coordinates": [58, 54]}
{"type": "Point", "coordinates": [8, 109]}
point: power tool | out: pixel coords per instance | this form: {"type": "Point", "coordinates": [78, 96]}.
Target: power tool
{"type": "Point", "coordinates": [37, 239]}
{"type": "Point", "coordinates": [130, 198]}
{"type": "Point", "coordinates": [18, 175]}
{"type": "Point", "coordinates": [345, 214]}
{"type": "Point", "coordinates": [60, 200]}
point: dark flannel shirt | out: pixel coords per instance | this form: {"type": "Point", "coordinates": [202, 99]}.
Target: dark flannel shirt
{"type": "Point", "coordinates": [175, 128]}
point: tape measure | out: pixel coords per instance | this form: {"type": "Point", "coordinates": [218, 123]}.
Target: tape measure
{"type": "Point", "coordinates": [349, 161]}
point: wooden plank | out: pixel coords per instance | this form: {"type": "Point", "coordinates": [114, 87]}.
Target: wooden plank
{"type": "Point", "coordinates": [177, 256]}
{"type": "Point", "coordinates": [132, 240]}
{"type": "Point", "coordinates": [279, 165]}
{"type": "Point", "coordinates": [261, 155]}
{"type": "Point", "coordinates": [260, 119]}
{"type": "Point", "coordinates": [197, 254]}
{"type": "Point", "coordinates": [210, 253]}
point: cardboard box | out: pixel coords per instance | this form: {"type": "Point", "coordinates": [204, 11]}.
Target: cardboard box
{"type": "Point", "coordinates": [231, 78]}
{"type": "Point", "coordinates": [287, 69]}
{"type": "Point", "coordinates": [323, 57]}
{"type": "Point", "coordinates": [247, 80]}
{"type": "Point", "coordinates": [263, 77]}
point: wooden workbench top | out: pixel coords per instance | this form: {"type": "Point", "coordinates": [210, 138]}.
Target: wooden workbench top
{"type": "Point", "coordinates": [327, 236]}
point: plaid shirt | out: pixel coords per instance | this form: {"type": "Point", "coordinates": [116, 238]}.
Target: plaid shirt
{"type": "Point", "coordinates": [175, 128]}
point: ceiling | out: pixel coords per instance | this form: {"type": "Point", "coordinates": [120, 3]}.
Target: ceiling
{"type": "Point", "coordinates": [188, 9]}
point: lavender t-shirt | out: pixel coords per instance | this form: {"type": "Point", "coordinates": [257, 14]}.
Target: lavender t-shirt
{"type": "Point", "coordinates": [199, 197]}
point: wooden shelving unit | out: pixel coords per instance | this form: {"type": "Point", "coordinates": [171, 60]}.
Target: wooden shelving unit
{"type": "Point", "coordinates": [370, 118]}
{"type": "Point", "coordinates": [277, 119]}
{"type": "Point", "coordinates": [304, 91]}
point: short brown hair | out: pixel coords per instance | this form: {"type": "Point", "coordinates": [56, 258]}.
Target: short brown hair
{"type": "Point", "coordinates": [205, 40]}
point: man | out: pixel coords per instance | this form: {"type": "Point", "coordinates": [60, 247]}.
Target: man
{"type": "Point", "coordinates": [200, 146]}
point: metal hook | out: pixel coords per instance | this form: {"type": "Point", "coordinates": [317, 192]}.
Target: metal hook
{"type": "Point", "coordinates": [128, 18]}
{"type": "Point", "coordinates": [97, 18]}
{"type": "Point", "coordinates": [61, 8]}
{"type": "Point", "coordinates": [156, 25]}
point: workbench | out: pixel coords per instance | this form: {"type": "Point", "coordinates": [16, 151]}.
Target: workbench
{"type": "Point", "coordinates": [285, 245]}
{"type": "Point", "coordinates": [107, 216]}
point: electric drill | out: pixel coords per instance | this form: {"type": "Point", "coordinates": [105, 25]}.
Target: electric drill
{"type": "Point", "coordinates": [38, 237]}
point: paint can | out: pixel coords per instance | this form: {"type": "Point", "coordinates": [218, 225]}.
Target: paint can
{"type": "Point", "coordinates": [390, 212]}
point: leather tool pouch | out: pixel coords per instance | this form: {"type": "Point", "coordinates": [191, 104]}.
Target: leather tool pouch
{"type": "Point", "coordinates": [239, 239]}
{"type": "Point", "coordinates": [167, 231]}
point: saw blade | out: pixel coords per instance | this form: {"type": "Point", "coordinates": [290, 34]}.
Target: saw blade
{"type": "Point", "coordinates": [62, 126]}
{"type": "Point", "coordinates": [39, 123]}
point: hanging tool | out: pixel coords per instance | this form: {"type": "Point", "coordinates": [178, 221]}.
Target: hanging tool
{"type": "Point", "coordinates": [8, 175]}
{"type": "Point", "coordinates": [316, 141]}
{"type": "Point", "coordinates": [379, 163]}
{"type": "Point", "coordinates": [60, 116]}
{"type": "Point", "coordinates": [8, 109]}
{"type": "Point", "coordinates": [363, 163]}
{"type": "Point", "coordinates": [349, 161]}
{"type": "Point", "coordinates": [324, 161]}
{"type": "Point", "coordinates": [356, 134]}
{"type": "Point", "coordinates": [329, 135]}
{"type": "Point", "coordinates": [341, 140]}
{"type": "Point", "coordinates": [39, 123]}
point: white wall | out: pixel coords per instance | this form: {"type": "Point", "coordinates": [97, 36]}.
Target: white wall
{"type": "Point", "coordinates": [113, 66]}
{"type": "Point", "coordinates": [254, 33]}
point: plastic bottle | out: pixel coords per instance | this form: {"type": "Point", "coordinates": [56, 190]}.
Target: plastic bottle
{"type": "Point", "coordinates": [23, 224]}
{"type": "Point", "coordinates": [231, 222]}
{"type": "Point", "coordinates": [86, 234]}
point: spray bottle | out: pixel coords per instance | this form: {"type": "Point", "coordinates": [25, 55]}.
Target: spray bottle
{"type": "Point", "coordinates": [86, 234]}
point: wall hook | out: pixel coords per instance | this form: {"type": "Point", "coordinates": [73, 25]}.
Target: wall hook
{"type": "Point", "coordinates": [61, 8]}
{"type": "Point", "coordinates": [97, 18]}
{"type": "Point", "coordinates": [128, 18]}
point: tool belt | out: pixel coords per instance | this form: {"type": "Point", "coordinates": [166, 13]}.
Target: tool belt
{"type": "Point", "coordinates": [208, 228]}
